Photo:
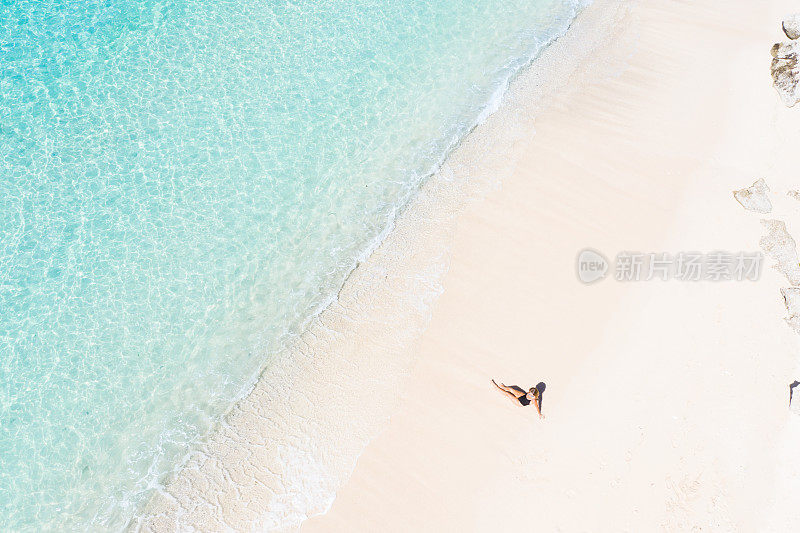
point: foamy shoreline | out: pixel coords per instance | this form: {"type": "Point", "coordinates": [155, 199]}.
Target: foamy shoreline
{"type": "Point", "coordinates": [381, 309]}
{"type": "Point", "coordinates": [647, 425]}
{"type": "Point", "coordinates": [666, 401]}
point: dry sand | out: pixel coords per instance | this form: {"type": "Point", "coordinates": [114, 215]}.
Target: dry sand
{"type": "Point", "coordinates": [666, 401]}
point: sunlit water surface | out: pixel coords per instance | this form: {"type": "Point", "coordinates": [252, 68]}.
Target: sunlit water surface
{"type": "Point", "coordinates": [182, 185]}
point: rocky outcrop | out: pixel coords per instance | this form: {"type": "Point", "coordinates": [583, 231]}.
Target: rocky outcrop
{"type": "Point", "coordinates": [785, 71]}
{"type": "Point", "coordinates": [791, 26]}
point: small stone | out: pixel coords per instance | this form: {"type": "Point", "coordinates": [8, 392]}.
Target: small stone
{"type": "Point", "coordinates": [791, 26]}
{"type": "Point", "coordinates": [781, 247]}
{"type": "Point", "coordinates": [786, 72]}
{"type": "Point", "coordinates": [791, 297]}
{"type": "Point", "coordinates": [783, 50]}
{"type": "Point", "coordinates": [754, 198]}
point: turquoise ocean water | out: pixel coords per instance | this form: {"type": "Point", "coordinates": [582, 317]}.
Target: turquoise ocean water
{"type": "Point", "coordinates": [182, 185]}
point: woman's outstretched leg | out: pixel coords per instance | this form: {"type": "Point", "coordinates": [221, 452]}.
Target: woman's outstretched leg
{"type": "Point", "coordinates": [511, 390]}
{"type": "Point", "coordinates": [511, 393]}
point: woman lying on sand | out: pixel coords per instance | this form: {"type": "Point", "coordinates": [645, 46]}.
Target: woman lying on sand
{"type": "Point", "coordinates": [522, 397]}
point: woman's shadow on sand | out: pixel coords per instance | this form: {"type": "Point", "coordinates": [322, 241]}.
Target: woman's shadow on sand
{"type": "Point", "coordinates": [539, 386]}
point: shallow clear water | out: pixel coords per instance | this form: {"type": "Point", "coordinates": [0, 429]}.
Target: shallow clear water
{"type": "Point", "coordinates": [182, 185]}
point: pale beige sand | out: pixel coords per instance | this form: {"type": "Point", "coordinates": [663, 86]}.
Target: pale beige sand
{"type": "Point", "coordinates": [665, 402]}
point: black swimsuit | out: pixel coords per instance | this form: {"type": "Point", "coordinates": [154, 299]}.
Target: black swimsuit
{"type": "Point", "coordinates": [524, 400]}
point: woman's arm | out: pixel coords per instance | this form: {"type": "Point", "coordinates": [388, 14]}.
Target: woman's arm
{"type": "Point", "coordinates": [538, 403]}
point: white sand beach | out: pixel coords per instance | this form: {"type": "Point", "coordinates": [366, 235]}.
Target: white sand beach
{"type": "Point", "coordinates": [666, 402]}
